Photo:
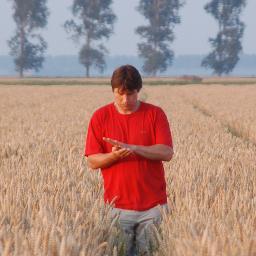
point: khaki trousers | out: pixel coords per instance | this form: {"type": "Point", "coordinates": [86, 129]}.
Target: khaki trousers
{"type": "Point", "coordinates": [138, 228]}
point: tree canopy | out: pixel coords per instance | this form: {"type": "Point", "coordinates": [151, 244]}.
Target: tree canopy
{"type": "Point", "coordinates": [162, 15]}
{"type": "Point", "coordinates": [227, 44]}
{"type": "Point", "coordinates": [27, 47]}
{"type": "Point", "coordinates": [93, 21]}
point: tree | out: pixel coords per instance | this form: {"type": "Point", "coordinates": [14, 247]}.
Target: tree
{"type": "Point", "coordinates": [227, 44]}
{"type": "Point", "coordinates": [95, 22]}
{"type": "Point", "coordinates": [162, 15]}
{"type": "Point", "coordinates": [26, 46]}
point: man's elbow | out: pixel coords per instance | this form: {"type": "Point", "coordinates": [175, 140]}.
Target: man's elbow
{"type": "Point", "coordinates": [169, 155]}
{"type": "Point", "coordinates": [91, 165]}
{"type": "Point", "coordinates": [169, 158]}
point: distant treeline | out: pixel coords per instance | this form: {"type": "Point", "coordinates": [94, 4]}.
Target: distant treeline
{"type": "Point", "coordinates": [93, 22]}
{"type": "Point", "coordinates": [66, 66]}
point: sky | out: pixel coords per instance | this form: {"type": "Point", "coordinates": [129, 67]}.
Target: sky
{"type": "Point", "coordinates": [191, 35]}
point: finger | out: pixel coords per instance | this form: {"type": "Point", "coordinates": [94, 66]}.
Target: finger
{"type": "Point", "coordinates": [125, 152]}
{"type": "Point", "coordinates": [119, 152]}
{"type": "Point", "coordinates": [115, 148]}
{"type": "Point", "coordinates": [112, 142]}
{"type": "Point", "coordinates": [107, 139]}
{"type": "Point", "coordinates": [115, 142]}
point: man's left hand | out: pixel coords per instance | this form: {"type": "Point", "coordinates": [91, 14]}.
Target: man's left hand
{"type": "Point", "coordinates": [119, 144]}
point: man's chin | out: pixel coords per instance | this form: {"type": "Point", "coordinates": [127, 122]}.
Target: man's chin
{"type": "Point", "coordinates": [127, 107]}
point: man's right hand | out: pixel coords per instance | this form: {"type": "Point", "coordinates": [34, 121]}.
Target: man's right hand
{"type": "Point", "coordinates": [121, 153]}
{"type": "Point", "coordinates": [104, 160]}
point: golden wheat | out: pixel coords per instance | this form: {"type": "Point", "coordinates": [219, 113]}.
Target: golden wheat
{"type": "Point", "coordinates": [51, 204]}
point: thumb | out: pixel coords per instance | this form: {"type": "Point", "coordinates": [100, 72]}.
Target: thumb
{"type": "Point", "coordinates": [115, 148]}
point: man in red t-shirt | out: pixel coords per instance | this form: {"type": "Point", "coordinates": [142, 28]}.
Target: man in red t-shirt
{"type": "Point", "coordinates": [128, 140]}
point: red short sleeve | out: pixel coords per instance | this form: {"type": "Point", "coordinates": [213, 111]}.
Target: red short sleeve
{"type": "Point", "coordinates": [94, 143]}
{"type": "Point", "coordinates": [162, 129]}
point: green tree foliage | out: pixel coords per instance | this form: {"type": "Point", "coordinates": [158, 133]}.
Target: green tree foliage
{"type": "Point", "coordinates": [227, 44]}
{"type": "Point", "coordinates": [26, 46]}
{"type": "Point", "coordinates": [162, 15]}
{"type": "Point", "coordinates": [94, 22]}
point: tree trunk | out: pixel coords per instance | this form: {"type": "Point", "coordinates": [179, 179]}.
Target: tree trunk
{"type": "Point", "coordinates": [156, 25]}
{"type": "Point", "coordinates": [88, 47]}
{"type": "Point", "coordinates": [156, 22]}
{"type": "Point", "coordinates": [220, 51]}
{"type": "Point", "coordinates": [22, 45]}
{"type": "Point", "coordinates": [21, 73]}
{"type": "Point", "coordinates": [87, 71]}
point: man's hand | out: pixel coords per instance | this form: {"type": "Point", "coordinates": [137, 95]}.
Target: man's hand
{"type": "Point", "coordinates": [121, 153]}
{"type": "Point", "coordinates": [154, 152]}
{"type": "Point", "coordinates": [104, 160]}
{"type": "Point", "coordinates": [122, 150]}
{"type": "Point", "coordinates": [119, 144]}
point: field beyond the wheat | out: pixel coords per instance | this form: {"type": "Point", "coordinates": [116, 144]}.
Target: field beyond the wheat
{"type": "Point", "coordinates": [52, 204]}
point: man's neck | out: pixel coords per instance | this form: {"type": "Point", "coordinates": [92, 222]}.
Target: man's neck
{"type": "Point", "coordinates": [127, 112]}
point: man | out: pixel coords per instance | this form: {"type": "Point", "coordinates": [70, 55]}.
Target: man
{"type": "Point", "coordinates": [128, 140]}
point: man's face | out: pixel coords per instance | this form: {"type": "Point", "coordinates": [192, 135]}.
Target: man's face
{"type": "Point", "coordinates": [126, 100]}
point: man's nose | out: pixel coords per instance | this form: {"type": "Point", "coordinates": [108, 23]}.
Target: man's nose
{"type": "Point", "coordinates": [125, 98]}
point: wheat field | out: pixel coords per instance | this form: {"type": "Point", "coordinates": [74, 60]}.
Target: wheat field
{"type": "Point", "coordinates": [52, 204]}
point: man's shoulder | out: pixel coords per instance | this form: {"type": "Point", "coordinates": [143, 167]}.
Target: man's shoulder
{"type": "Point", "coordinates": [151, 107]}
{"type": "Point", "coordinates": [103, 110]}
{"type": "Point", "coordinates": [154, 112]}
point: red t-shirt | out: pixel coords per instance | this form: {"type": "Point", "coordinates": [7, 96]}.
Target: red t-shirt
{"type": "Point", "coordinates": [134, 183]}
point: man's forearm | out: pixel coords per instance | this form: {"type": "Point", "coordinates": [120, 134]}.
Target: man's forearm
{"type": "Point", "coordinates": [101, 160]}
{"type": "Point", "coordinates": [104, 160]}
{"type": "Point", "coordinates": [154, 152]}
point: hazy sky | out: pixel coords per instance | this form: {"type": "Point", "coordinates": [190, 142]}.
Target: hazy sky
{"type": "Point", "coordinates": [191, 35]}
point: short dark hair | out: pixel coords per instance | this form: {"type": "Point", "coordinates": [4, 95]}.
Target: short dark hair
{"type": "Point", "coordinates": [126, 78]}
